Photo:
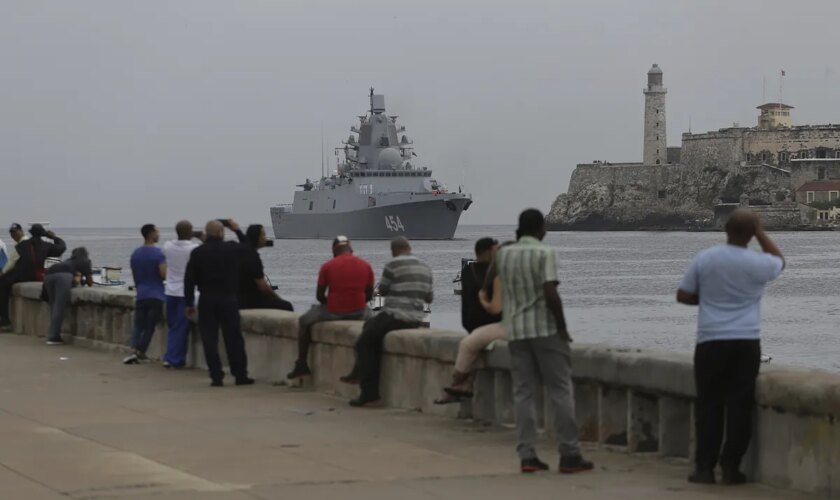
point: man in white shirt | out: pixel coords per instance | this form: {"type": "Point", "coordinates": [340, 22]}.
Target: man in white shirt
{"type": "Point", "coordinates": [727, 282]}
{"type": "Point", "coordinates": [177, 253]}
{"type": "Point", "coordinates": [17, 234]}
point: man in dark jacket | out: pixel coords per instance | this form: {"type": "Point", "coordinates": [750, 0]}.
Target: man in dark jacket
{"type": "Point", "coordinates": [214, 268]}
{"type": "Point", "coordinates": [30, 266]}
{"type": "Point", "coordinates": [473, 277]}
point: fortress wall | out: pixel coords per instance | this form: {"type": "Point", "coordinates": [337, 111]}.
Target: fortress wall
{"type": "Point", "coordinates": [629, 399]}
{"type": "Point", "coordinates": [722, 150]}
{"type": "Point", "coordinates": [802, 171]}
{"type": "Point", "coordinates": [792, 140]}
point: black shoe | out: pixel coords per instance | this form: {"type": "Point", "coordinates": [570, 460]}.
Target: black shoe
{"type": "Point", "coordinates": [732, 477]}
{"type": "Point", "coordinates": [574, 463]}
{"type": "Point", "coordinates": [702, 476]}
{"type": "Point", "coordinates": [217, 383]}
{"type": "Point", "coordinates": [5, 328]}
{"type": "Point", "coordinates": [301, 370]}
{"type": "Point", "coordinates": [364, 401]}
{"type": "Point", "coordinates": [352, 378]}
{"type": "Point", "coordinates": [245, 381]}
{"type": "Point", "coordinates": [531, 465]}
{"type": "Point", "coordinates": [131, 359]}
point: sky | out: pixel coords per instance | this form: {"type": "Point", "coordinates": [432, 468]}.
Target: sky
{"type": "Point", "coordinates": [118, 113]}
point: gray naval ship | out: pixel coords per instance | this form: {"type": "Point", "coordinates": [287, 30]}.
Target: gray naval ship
{"type": "Point", "coordinates": [376, 192]}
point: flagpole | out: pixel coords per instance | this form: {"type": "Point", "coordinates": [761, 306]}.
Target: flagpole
{"type": "Point", "coordinates": [763, 89]}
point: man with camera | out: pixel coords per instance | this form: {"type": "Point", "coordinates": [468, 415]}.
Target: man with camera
{"type": "Point", "coordinates": [255, 292]}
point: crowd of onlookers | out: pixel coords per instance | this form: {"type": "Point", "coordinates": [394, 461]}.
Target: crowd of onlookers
{"type": "Point", "coordinates": [509, 292]}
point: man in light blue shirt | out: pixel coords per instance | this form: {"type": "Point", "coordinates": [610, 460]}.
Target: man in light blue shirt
{"type": "Point", "coordinates": [727, 282]}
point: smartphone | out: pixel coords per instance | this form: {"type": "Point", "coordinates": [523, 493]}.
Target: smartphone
{"type": "Point", "coordinates": [197, 234]}
{"type": "Point", "coordinates": [225, 222]}
{"type": "Point", "coordinates": [269, 243]}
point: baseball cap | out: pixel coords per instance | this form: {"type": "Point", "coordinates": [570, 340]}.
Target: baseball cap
{"type": "Point", "coordinates": [15, 227]}
{"type": "Point", "coordinates": [341, 241]}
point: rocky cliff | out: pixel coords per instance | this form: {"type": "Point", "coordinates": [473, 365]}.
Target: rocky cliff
{"type": "Point", "coordinates": [635, 196]}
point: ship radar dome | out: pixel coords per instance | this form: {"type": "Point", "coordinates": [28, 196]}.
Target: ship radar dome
{"type": "Point", "coordinates": [390, 158]}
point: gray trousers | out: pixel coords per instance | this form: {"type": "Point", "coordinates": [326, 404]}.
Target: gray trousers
{"type": "Point", "coordinates": [549, 359]}
{"type": "Point", "coordinates": [58, 287]}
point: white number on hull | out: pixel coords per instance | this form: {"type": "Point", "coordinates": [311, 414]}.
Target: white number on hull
{"type": "Point", "coordinates": [393, 223]}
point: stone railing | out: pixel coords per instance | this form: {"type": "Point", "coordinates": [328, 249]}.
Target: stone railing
{"type": "Point", "coordinates": [629, 400]}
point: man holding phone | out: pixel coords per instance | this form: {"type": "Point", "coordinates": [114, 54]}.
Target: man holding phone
{"type": "Point", "coordinates": [214, 268]}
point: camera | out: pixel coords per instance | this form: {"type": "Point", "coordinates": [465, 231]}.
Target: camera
{"type": "Point", "coordinates": [197, 234]}
{"type": "Point", "coordinates": [225, 222]}
{"type": "Point", "coordinates": [269, 243]}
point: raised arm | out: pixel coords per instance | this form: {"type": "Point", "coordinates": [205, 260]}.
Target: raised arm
{"type": "Point", "coordinates": [768, 245]}
{"type": "Point", "coordinates": [57, 247]}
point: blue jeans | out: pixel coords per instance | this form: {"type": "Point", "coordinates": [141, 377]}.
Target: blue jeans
{"type": "Point", "coordinates": [179, 331]}
{"type": "Point", "coordinates": [147, 314]}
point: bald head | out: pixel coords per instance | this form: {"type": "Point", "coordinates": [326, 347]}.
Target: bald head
{"type": "Point", "coordinates": [184, 230]}
{"type": "Point", "coordinates": [214, 229]}
{"type": "Point", "coordinates": [741, 226]}
{"type": "Point", "coordinates": [400, 246]}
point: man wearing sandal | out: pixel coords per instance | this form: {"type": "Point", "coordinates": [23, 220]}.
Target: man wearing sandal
{"type": "Point", "coordinates": [538, 343]}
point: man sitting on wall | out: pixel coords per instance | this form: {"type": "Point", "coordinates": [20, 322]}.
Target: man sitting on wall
{"type": "Point", "coordinates": [345, 286]}
{"type": "Point", "coordinates": [406, 285]}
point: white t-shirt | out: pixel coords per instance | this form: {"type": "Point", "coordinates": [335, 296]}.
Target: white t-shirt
{"type": "Point", "coordinates": [730, 281]}
{"type": "Point", "coordinates": [177, 253]}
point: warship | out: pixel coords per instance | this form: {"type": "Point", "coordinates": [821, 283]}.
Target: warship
{"type": "Point", "coordinates": [375, 192]}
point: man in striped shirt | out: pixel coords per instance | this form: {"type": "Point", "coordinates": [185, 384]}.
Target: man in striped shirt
{"type": "Point", "coordinates": [538, 344]}
{"type": "Point", "coordinates": [406, 285]}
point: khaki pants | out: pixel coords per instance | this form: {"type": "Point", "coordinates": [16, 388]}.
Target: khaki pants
{"type": "Point", "coordinates": [471, 346]}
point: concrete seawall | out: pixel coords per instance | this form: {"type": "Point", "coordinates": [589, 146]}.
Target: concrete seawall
{"type": "Point", "coordinates": [632, 401]}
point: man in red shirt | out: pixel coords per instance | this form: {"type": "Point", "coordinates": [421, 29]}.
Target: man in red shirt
{"type": "Point", "coordinates": [345, 286]}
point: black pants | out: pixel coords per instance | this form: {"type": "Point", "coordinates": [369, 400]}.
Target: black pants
{"type": "Point", "coordinates": [215, 312]}
{"type": "Point", "coordinates": [725, 373]}
{"type": "Point", "coordinates": [265, 302]}
{"type": "Point", "coordinates": [369, 351]}
{"type": "Point", "coordinates": [5, 296]}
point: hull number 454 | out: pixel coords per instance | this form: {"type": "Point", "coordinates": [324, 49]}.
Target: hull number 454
{"type": "Point", "coordinates": [393, 223]}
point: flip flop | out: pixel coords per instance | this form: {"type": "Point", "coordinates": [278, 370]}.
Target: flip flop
{"type": "Point", "coordinates": [458, 393]}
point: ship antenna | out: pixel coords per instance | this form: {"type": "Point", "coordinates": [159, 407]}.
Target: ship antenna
{"type": "Point", "coordinates": [322, 150]}
{"type": "Point", "coordinates": [371, 100]}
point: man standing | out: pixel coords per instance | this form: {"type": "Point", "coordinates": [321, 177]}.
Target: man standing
{"type": "Point", "coordinates": [727, 282]}
{"type": "Point", "coordinates": [177, 254]}
{"type": "Point", "coordinates": [406, 285]}
{"type": "Point", "coordinates": [148, 267]}
{"type": "Point", "coordinates": [345, 286]}
{"type": "Point", "coordinates": [214, 268]}
{"type": "Point", "coordinates": [28, 265]}
{"type": "Point", "coordinates": [532, 314]}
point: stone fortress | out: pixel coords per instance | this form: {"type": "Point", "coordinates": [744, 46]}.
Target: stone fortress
{"type": "Point", "coordinates": [789, 173]}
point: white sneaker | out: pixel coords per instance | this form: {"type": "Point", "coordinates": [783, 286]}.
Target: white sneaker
{"type": "Point", "coordinates": [131, 359]}
{"type": "Point", "coordinates": [55, 342]}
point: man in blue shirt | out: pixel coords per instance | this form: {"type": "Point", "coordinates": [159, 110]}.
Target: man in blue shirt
{"type": "Point", "coordinates": [148, 265]}
{"type": "Point", "coordinates": [727, 282]}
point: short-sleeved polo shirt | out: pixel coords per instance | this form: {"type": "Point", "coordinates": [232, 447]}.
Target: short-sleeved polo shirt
{"type": "Point", "coordinates": [346, 277]}
{"type": "Point", "coordinates": [524, 268]}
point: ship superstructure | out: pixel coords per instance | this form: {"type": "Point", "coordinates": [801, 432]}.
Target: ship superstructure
{"type": "Point", "coordinates": [376, 191]}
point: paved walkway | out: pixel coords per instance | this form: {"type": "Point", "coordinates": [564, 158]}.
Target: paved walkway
{"type": "Point", "coordinates": [78, 424]}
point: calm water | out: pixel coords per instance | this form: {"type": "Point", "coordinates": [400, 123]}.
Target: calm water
{"type": "Point", "coordinates": [617, 287]}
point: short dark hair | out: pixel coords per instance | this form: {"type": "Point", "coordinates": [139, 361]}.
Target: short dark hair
{"type": "Point", "coordinates": [184, 230]}
{"type": "Point", "coordinates": [147, 229]}
{"type": "Point", "coordinates": [484, 245]}
{"type": "Point", "coordinates": [252, 234]}
{"type": "Point", "coordinates": [531, 221]}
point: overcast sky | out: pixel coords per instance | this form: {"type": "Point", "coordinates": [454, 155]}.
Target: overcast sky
{"type": "Point", "coordinates": [115, 113]}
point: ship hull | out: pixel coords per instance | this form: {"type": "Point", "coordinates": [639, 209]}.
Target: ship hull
{"type": "Point", "coordinates": [422, 220]}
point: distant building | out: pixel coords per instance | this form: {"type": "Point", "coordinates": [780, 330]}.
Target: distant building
{"type": "Point", "coordinates": [818, 192]}
{"type": "Point", "coordinates": [774, 115]}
